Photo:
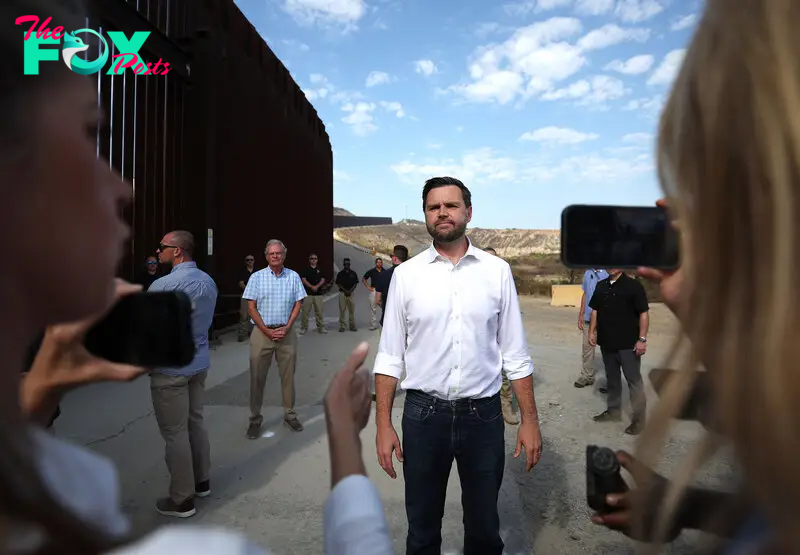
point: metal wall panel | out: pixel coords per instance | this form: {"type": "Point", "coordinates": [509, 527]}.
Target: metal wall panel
{"type": "Point", "coordinates": [358, 221]}
{"type": "Point", "coordinates": [225, 142]}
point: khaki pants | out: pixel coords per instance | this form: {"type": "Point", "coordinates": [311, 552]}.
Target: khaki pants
{"type": "Point", "coordinates": [588, 367]}
{"type": "Point", "coordinates": [245, 327]}
{"type": "Point", "coordinates": [347, 303]}
{"type": "Point", "coordinates": [505, 389]}
{"type": "Point", "coordinates": [178, 406]}
{"type": "Point", "coordinates": [373, 310]}
{"type": "Point", "coordinates": [262, 349]}
{"type": "Point", "coordinates": [312, 302]}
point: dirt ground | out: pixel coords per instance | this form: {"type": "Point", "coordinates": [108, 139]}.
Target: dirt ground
{"type": "Point", "coordinates": [553, 494]}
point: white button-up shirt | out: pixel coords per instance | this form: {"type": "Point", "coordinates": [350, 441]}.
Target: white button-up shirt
{"type": "Point", "coordinates": [453, 328]}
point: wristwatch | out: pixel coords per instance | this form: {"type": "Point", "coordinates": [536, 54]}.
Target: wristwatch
{"type": "Point", "coordinates": [642, 340]}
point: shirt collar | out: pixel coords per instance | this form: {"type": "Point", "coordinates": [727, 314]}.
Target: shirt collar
{"type": "Point", "coordinates": [183, 266]}
{"type": "Point", "coordinates": [433, 254]}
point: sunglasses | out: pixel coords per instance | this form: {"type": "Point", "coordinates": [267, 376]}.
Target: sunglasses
{"type": "Point", "coordinates": [163, 247]}
{"type": "Point", "coordinates": [152, 263]}
{"type": "Point", "coordinates": [249, 259]}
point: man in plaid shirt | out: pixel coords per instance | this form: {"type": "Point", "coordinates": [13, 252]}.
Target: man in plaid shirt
{"type": "Point", "coordinates": [274, 297]}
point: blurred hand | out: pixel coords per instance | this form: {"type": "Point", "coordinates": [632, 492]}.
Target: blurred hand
{"type": "Point", "coordinates": [63, 362]}
{"type": "Point", "coordinates": [348, 399]}
{"type": "Point", "coordinates": [386, 443]}
{"type": "Point", "coordinates": [640, 348]}
{"type": "Point", "coordinates": [581, 323]}
{"type": "Point", "coordinates": [670, 284]}
{"type": "Point", "coordinates": [640, 526]}
{"type": "Point", "coordinates": [279, 334]}
{"type": "Point", "coordinates": [529, 438]}
{"type": "Point", "coordinates": [593, 338]}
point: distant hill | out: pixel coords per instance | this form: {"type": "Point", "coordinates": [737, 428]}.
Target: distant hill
{"type": "Point", "coordinates": [341, 212]}
{"type": "Point", "coordinates": [509, 243]}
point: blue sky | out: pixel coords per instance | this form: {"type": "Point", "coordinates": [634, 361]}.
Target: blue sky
{"type": "Point", "coordinates": [534, 104]}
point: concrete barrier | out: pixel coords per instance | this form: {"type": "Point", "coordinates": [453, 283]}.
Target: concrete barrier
{"type": "Point", "coordinates": [566, 295]}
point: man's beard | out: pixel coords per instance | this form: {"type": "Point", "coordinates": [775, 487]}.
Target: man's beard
{"type": "Point", "coordinates": [455, 233]}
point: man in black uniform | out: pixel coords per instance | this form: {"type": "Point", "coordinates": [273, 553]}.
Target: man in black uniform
{"type": "Point", "coordinates": [347, 281]}
{"type": "Point", "coordinates": [619, 323]}
{"type": "Point", "coordinates": [245, 327]}
{"type": "Point", "coordinates": [314, 282]}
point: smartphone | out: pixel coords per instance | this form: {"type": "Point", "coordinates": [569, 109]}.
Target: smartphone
{"type": "Point", "coordinates": [153, 330]}
{"type": "Point", "coordinates": [624, 237]}
{"type": "Point", "coordinates": [603, 476]}
{"type": "Point", "coordinates": [696, 405]}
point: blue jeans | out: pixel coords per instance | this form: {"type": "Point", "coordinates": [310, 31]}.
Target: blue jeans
{"type": "Point", "coordinates": [435, 432]}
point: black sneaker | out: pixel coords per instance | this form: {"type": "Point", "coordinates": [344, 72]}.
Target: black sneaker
{"type": "Point", "coordinates": [203, 489]}
{"type": "Point", "coordinates": [253, 431]}
{"type": "Point", "coordinates": [294, 424]}
{"type": "Point", "coordinates": [168, 507]}
{"type": "Point", "coordinates": [636, 427]}
{"type": "Point", "coordinates": [608, 416]}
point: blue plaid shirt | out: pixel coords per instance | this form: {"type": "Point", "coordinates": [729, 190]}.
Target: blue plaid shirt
{"type": "Point", "coordinates": [275, 296]}
{"type": "Point", "coordinates": [202, 290]}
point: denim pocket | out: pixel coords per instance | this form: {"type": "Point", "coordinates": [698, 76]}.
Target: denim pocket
{"type": "Point", "coordinates": [417, 412]}
{"type": "Point", "coordinates": [487, 412]}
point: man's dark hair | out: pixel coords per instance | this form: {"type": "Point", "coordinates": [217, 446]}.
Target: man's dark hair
{"type": "Point", "coordinates": [345, 260]}
{"type": "Point", "coordinates": [401, 252]}
{"type": "Point", "coordinates": [378, 259]}
{"type": "Point", "coordinates": [436, 182]}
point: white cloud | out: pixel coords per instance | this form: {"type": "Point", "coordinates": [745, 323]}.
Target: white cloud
{"type": "Point", "coordinates": [666, 72]}
{"type": "Point", "coordinates": [377, 78]}
{"type": "Point", "coordinates": [635, 11]}
{"type": "Point", "coordinates": [434, 146]}
{"type": "Point", "coordinates": [339, 175]}
{"type": "Point", "coordinates": [344, 14]}
{"type": "Point", "coordinates": [632, 66]}
{"type": "Point", "coordinates": [597, 90]}
{"type": "Point", "coordinates": [303, 47]}
{"type": "Point", "coordinates": [649, 107]}
{"type": "Point", "coordinates": [558, 136]}
{"type": "Point", "coordinates": [521, 9]}
{"type": "Point", "coordinates": [684, 22]}
{"type": "Point", "coordinates": [395, 107]}
{"type": "Point", "coordinates": [425, 67]}
{"type": "Point", "coordinates": [588, 168]}
{"type": "Point", "coordinates": [638, 138]}
{"type": "Point", "coordinates": [322, 88]}
{"type": "Point", "coordinates": [535, 59]}
{"type": "Point", "coordinates": [474, 167]}
{"type": "Point", "coordinates": [593, 7]}
{"type": "Point", "coordinates": [360, 118]}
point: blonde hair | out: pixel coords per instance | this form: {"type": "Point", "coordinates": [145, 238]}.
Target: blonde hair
{"type": "Point", "coordinates": [729, 160]}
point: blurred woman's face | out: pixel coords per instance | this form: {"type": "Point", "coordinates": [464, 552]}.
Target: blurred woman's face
{"type": "Point", "coordinates": [66, 232]}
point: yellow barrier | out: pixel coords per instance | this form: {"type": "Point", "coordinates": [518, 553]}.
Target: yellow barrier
{"type": "Point", "coordinates": [566, 295]}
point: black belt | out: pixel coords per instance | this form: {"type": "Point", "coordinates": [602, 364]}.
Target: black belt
{"type": "Point", "coordinates": [276, 326]}
{"type": "Point", "coordinates": [456, 403]}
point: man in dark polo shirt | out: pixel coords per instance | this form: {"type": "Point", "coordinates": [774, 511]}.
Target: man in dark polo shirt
{"type": "Point", "coordinates": [370, 281]}
{"type": "Point", "coordinates": [245, 327]}
{"type": "Point", "coordinates": [347, 281]}
{"type": "Point", "coordinates": [619, 324]}
{"type": "Point", "coordinates": [314, 282]}
{"type": "Point", "coordinates": [399, 255]}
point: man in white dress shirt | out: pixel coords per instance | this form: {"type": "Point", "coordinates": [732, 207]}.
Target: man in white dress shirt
{"type": "Point", "coordinates": [453, 325]}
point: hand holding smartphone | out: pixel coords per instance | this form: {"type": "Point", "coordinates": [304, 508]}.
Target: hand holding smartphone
{"type": "Point", "coordinates": [603, 477]}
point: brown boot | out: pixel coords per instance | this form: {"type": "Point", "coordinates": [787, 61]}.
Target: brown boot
{"type": "Point", "coordinates": [508, 410]}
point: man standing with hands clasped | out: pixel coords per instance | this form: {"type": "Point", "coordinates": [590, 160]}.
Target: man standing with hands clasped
{"type": "Point", "coordinates": [453, 324]}
{"type": "Point", "coordinates": [619, 322]}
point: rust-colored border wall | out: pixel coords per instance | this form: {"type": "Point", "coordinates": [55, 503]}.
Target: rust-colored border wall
{"type": "Point", "coordinates": [226, 142]}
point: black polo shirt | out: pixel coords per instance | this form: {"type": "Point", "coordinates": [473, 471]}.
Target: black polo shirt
{"type": "Point", "coordinates": [384, 281]}
{"type": "Point", "coordinates": [245, 276]}
{"type": "Point", "coordinates": [312, 276]}
{"type": "Point", "coordinates": [347, 279]}
{"type": "Point", "coordinates": [373, 275]}
{"type": "Point", "coordinates": [618, 307]}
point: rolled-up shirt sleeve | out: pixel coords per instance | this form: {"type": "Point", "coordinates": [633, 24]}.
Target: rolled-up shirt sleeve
{"type": "Point", "coordinates": [390, 360]}
{"type": "Point", "coordinates": [354, 519]}
{"type": "Point", "coordinates": [517, 361]}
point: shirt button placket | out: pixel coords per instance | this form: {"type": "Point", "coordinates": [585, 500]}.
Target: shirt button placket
{"type": "Point", "coordinates": [457, 331]}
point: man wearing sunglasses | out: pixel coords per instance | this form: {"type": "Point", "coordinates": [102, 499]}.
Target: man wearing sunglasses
{"type": "Point", "coordinates": [245, 327]}
{"type": "Point", "coordinates": [178, 392]}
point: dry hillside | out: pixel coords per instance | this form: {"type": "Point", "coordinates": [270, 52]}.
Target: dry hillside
{"type": "Point", "coordinates": [532, 253]}
{"type": "Point", "coordinates": [341, 212]}
{"type": "Point", "coordinates": [509, 243]}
